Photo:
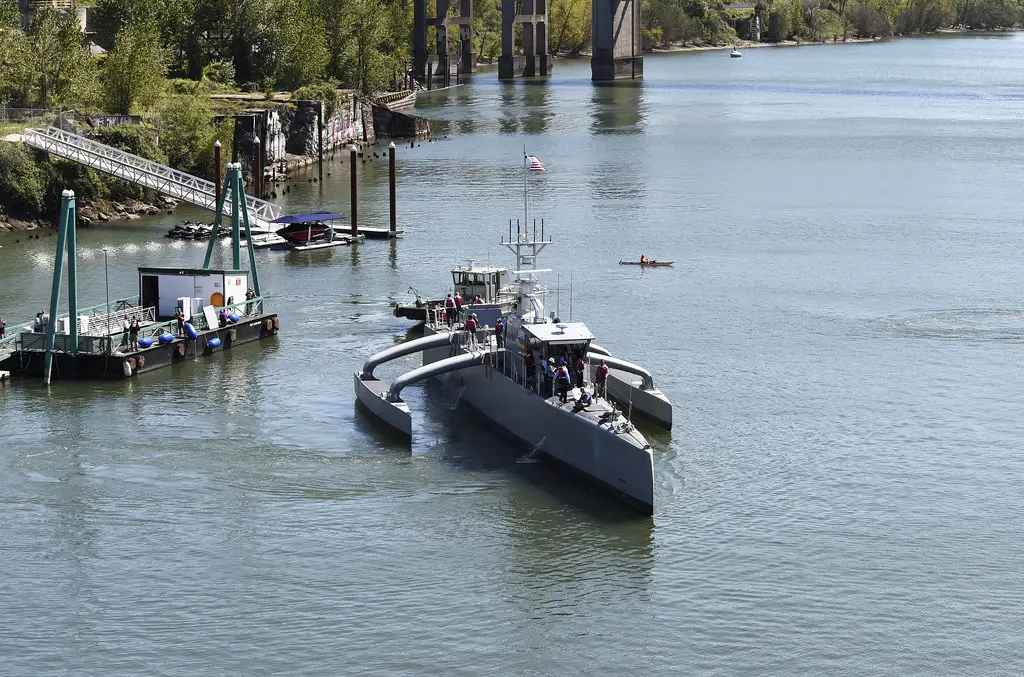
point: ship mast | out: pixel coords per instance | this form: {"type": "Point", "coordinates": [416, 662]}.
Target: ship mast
{"type": "Point", "coordinates": [527, 247]}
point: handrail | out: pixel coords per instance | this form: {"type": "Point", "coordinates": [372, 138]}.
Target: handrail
{"type": "Point", "coordinates": [145, 172]}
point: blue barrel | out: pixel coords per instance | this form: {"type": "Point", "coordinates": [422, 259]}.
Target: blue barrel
{"type": "Point", "coordinates": [165, 338]}
{"type": "Point", "coordinates": [145, 342]}
{"type": "Point", "coordinates": [190, 331]}
{"type": "Point", "coordinates": [214, 342]}
{"type": "Point", "coordinates": [234, 317]}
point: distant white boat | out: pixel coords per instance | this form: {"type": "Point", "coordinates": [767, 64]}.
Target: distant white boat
{"type": "Point", "coordinates": [735, 53]}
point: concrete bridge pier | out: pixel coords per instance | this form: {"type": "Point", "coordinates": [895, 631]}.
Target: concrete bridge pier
{"type": "Point", "coordinates": [441, 59]}
{"type": "Point", "coordinates": [535, 59]}
{"type": "Point", "coordinates": [616, 40]}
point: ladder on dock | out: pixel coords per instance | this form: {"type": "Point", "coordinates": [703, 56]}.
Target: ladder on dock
{"type": "Point", "coordinates": [146, 173]}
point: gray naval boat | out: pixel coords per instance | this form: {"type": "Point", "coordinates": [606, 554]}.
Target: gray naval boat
{"type": "Point", "coordinates": [505, 381]}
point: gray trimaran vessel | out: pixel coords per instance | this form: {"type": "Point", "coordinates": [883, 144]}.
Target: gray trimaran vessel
{"type": "Point", "coordinates": [506, 383]}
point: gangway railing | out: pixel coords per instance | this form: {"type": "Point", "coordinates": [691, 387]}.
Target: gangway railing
{"type": "Point", "coordinates": [139, 170]}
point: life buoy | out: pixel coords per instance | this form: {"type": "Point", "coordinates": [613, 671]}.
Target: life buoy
{"type": "Point", "coordinates": [181, 350]}
{"type": "Point", "coordinates": [142, 361]}
{"type": "Point", "coordinates": [277, 323]}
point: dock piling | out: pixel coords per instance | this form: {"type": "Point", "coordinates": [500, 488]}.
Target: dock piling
{"type": "Point", "coordinates": [320, 138]}
{"type": "Point", "coordinates": [354, 191]}
{"type": "Point", "coordinates": [257, 181]}
{"type": "Point", "coordinates": [67, 219]}
{"type": "Point", "coordinates": [391, 187]}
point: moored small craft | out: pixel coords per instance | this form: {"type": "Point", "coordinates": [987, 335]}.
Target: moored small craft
{"type": "Point", "coordinates": [735, 53]}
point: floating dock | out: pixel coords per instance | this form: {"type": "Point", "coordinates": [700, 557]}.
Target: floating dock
{"type": "Point", "coordinates": [179, 314]}
{"type": "Point", "coordinates": [372, 233]}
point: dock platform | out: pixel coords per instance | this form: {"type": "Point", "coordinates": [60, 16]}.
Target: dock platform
{"type": "Point", "coordinates": [373, 233]}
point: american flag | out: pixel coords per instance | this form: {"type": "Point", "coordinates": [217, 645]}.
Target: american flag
{"type": "Point", "coordinates": [535, 164]}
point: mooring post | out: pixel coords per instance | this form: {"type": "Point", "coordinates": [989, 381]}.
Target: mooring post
{"type": "Point", "coordinates": [218, 218]}
{"type": "Point", "coordinates": [72, 275]}
{"type": "Point", "coordinates": [391, 186]}
{"type": "Point", "coordinates": [257, 152]}
{"type": "Point", "coordinates": [67, 198]}
{"type": "Point", "coordinates": [320, 138]}
{"type": "Point", "coordinates": [237, 195]}
{"type": "Point", "coordinates": [354, 191]}
{"type": "Point", "coordinates": [253, 274]}
{"type": "Point", "coordinates": [218, 172]}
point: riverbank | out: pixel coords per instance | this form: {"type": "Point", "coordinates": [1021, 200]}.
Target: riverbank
{"type": "Point", "coordinates": [750, 44]}
{"type": "Point", "coordinates": [102, 211]}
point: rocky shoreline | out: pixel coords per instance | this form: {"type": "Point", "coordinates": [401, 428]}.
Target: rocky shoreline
{"type": "Point", "coordinates": [124, 210]}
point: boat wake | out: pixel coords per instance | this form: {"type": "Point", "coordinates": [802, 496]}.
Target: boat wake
{"type": "Point", "coordinates": [533, 454]}
{"type": "Point", "coordinates": [971, 324]}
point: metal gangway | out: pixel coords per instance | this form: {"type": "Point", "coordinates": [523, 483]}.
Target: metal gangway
{"type": "Point", "coordinates": [139, 170]}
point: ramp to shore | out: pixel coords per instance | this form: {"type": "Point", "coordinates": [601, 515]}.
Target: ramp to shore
{"type": "Point", "coordinates": [146, 173]}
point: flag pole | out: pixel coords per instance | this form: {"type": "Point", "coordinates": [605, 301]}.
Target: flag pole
{"type": "Point", "coordinates": [526, 207]}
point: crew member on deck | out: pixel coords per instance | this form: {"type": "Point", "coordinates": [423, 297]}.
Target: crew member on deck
{"type": "Point", "coordinates": [449, 309]}
{"type": "Point", "coordinates": [180, 317]}
{"type": "Point", "coordinates": [499, 332]}
{"type": "Point", "coordinates": [601, 380]}
{"type": "Point", "coordinates": [458, 304]}
{"type": "Point", "coordinates": [471, 330]}
{"type": "Point", "coordinates": [581, 371]}
{"type": "Point", "coordinates": [582, 402]}
{"type": "Point", "coordinates": [564, 382]}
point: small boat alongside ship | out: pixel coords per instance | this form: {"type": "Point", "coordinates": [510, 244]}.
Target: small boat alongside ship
{"type": "Point", "coordinates": [508, 382]}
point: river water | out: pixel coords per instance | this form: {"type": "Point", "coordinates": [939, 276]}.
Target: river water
{"type": "Point", "coordinates": [841, 337]}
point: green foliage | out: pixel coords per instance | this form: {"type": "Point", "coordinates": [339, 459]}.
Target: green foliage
{"type": "Point", "coordinates": [221, 72]}
{"type": "Point", "coordinates": [570, 23]}
{"type": "Point", "coordinates": [187, 133]}
{"type": "Point", "coordinates": [60, 175]}
{"type": "Point", "coordinates": [302, 50]}
{"type": "Point", "coordinates": [110, 17]}
{"type": "Point", "coordinates": [136, 139]}
{"type": "Point", "coordinates": [486, 30]}
{"type": "Point", "coordinates": [56, 71]}
{"type": "Point", "coordinates": [21, 181]}
{"type": "Point", "coordinates": [322, 91]}
{"type": "Point", "coordinates": [134, 72]}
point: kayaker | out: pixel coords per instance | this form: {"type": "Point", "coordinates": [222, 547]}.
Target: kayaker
{"type": "Point", "coordinates": [643, 259]}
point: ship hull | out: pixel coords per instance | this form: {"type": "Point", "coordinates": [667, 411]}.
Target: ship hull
{"type": "Point", "coordinates": [604, 458]}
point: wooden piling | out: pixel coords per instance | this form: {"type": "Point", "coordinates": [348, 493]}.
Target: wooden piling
{"type": "Point", "coordinates": [258, 172]}
{"type": "Point", "coordinates": [320, 138]}
{"type": "Point", "coordinates": [354, 191]}
{"type": "Point", "coordinates": [391, 187]}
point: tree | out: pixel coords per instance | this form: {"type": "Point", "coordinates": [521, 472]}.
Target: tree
{"type": "Point", "coordinates": [301, 43]}
{"type": "Point", "coordinates": [369, 60]}
{"type": "Point", "coordinates": [13, 73]}
{"type": "Point", "coordinates": [570, 22]}
{"type": "Point", "coordinates": [133, 73]}
{"type": "Point", "coordinates": [21, 182]}
{"type": "Point", "coordinates": [60, 71]}
{"type": "Point", "coordinates": [187, 134]}
{"type": "Point", "coordinates": [110, 17]}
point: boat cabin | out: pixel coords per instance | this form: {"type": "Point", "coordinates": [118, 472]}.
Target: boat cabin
{"type": "Point", "coordinates": [557, 340]}
{"type": "Point", "coordinates": [486, 281]}
{"type": "Point", "coordinates": [190, 289]}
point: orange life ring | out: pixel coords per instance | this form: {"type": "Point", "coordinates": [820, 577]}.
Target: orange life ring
{"type": "Point", "coordinates": [181, 350]}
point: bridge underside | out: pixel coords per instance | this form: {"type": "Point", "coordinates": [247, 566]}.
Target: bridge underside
{"type": "Point", "coordinates": [617, 46]}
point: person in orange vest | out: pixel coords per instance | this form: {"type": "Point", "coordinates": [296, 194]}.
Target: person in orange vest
{"type": "Point", "coordinates": [449, 310]}
{"type": "Point", "coordinates": [458, 304]}
{"type": "Point", "coordinates": [471, 329]}
{"type": "Point", "coordinates": [563, 381]}
{"type": "Point", "coordinates": [581, 371]}
{"type": "Point", "coordinates": [601, 379]}
{"type": "Point", "coordinates": [499, 332]}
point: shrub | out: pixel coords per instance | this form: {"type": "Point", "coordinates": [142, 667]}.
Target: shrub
{"type": "Point", "coordinates": [22, 186]}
